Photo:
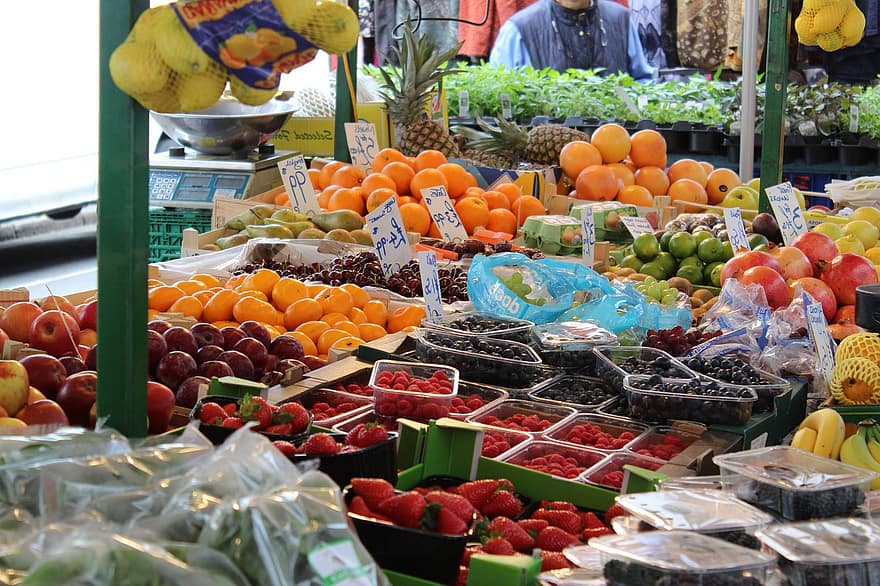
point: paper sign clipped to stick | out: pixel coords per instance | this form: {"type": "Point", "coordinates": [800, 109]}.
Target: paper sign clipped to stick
{"type": "Point", "coordinates": [736, 230]}
{"type": "Point", "coordinates": [362, 143]}
{"type": "Point", "coordinates": [294, 175]}
{"type": "Point", "coordinates": [817, 327]}
{"type": "Point", "coordinates": [430, 285]}
{"type": "Point", "coordinates": [788, 211]}
{"type": "Point", "coordinates": [389, 236]}
{"type": "Point", "coordinates": [637, 225]}
{"type": "Point", "coordinates": [443, 214]}
{"type": "Point", "coordinates": [588, 227]}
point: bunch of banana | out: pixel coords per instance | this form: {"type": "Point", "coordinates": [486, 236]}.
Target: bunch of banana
{"type": "Point", "coordinates": [863, 449]}
{"type": "Point", "coordinates": [822, 433]}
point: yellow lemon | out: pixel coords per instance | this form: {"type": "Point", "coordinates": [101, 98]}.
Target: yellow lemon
{"type": "Point", "coordinates": [177, 47]}
{"type": "Point", "coordinates": [137, 68]}
{"type": "Point", "coordinates": [248, 95]}
{"type": "Point", "coordinates": [201, 90]}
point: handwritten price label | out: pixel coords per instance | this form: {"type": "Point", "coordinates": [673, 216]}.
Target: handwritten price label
{"type": "Point", "coordinates": [295, 177]}
{"type": "Point", "coordinates": [389, 237]}
{"type": "Point", "coordinates": [506, 106]}
{"type": "Point", "coordinates": [637, 225]}
{"type": "Point", "coordinates": [788, 211]}
{"type": "Point", "coordinates": [818, 330]}
{"type": "Point", "coordinates": [361, 137]}
{"type": "Point", "coordinates": [588, 227]}
{"type": "Point", "coordinates": [464, 103]}
{"type": "Point", "coordinates": [736, 230]}
{"type": "Point", "coordinates": [430, 285]}
{"type": "Point", "coordinates": [444, 215]}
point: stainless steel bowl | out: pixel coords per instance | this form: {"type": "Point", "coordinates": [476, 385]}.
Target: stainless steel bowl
{"type": "Point", "coordinates": [227, 127]}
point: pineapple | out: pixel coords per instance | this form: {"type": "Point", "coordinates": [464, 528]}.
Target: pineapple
{"type": "Point", "coordinates": [540, 145]}
{"type": "Point", "coordinates": [313, 103]}
{"type": "Point", "coordinates": [407, 90]}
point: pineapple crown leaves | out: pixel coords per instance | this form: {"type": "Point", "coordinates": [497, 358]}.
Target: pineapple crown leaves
{"type": "Point", "coordinates": [505, 137]}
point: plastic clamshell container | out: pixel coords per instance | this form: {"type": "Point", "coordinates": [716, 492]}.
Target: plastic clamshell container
{"type": "Point", "coordinates": [795, 484]}
{"type": "Point", "coordinates": [615, 407]}
{"type": "Point", "coordinates": [561, 432]}
{"type": "Point", "coordinates": [679, 557]}
{"type": "Point", "coordinates": [661, 406]}
{"type": "Point", "coordinates": [334, 399]}
{"type": "Point", "coordinates": [770, 387]}
{"type": "Point", "coordinates": [347, 383]}
{"type": "Point", "coordinates": [675, 439]}
{"type": "Point", "coordinates": [467, 391]}
{"type": "Point", "coordinates": [482, 324]}
{"type": "Point", "coordinates": [563, 384]}
{"type": "Point", "coordinates": [570, 344]}
{"type": "Point", "coordinates": [420, 406]}
{"type": "Point", "coordinates": [610, 361]}
{"type": "Point", "coordinates": [368, 416]}
{"type": "Point", "coordinates": [508, 411]}
{"type": "Point", "coordinates": [614, 463]}
{"type": "Point", "coordinates": [833, 551]}
{"type": "Point", "coordinates": [481, 366]}
{"type": "Point", "coordinates": [552, 457]}
{"type": "Point", "coordinates": [497, 442]}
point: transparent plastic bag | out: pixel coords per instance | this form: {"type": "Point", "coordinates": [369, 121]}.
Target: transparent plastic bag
{"type": "Point", "coordinates": [66, 442]}
{"type": "Point", "coordinates": [789, 350]}
{"type": "Point", "coordinates": [739, 306]}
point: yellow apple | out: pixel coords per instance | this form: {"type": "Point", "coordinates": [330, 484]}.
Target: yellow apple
{"type": "Point", "coordinates": [11, 422]}
{"type": "Point", "coordinates": [850, 243]}
{"type": "Point", "coordinates": [829, 229]}
{"type": "Point", "coordinates": [741, 196]}
{"type": "Point", "coordinates": [869, 213]}
{"type": "Point", "coordinates": [864, 231]}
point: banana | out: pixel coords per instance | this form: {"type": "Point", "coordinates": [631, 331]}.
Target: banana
{"type": "Point", "coordinates": [873, 441]}
{"type": "Point", "coordinates": [830, 431]}
{"type": "Point", "coordinates": [854, 450]}
{"type": "Point", "coordinates": [804, 438]}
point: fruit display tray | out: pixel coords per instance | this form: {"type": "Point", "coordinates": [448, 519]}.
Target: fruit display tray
{"type": "Point", "coordinates": [726, 406]}
{"type": "Point", "coordinates": [376, 461]}
{"type": "Point", "coordinates": [483, 324]}
{"type": "Point", "coordinates": [368, 416]}
{"type": "Point", "coordinates": [662, 442]}
{"type": "Point", "coordinates": [472, 397]}
{"type": "Point", "coordinates": [498, 442]}
{"type": "Point", "coordinates": [579, 392]}
{"type": "Point", "coordinates": [613, 363]}
{"type": "Point", "coordinates": [521, 415]}
{"type": "Point", "coordinates": [597, 432]}
{"type": "Point", "coordinates": [609, 472]}
{"type": "Point", "coordinates": [550, 457]}
{"type": "Point", "coordinates": [218, 434]}
{"type": "Point", "coordinates": [570, 344]}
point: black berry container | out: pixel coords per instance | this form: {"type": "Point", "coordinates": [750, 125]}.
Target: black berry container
{"type": "Point", "coordinates": [570, 345]}
{"type": "Point", "coordinates": [376, 461]}
{"type": "Point", "coordinates": [659, 400]}
{"type": "Point", "coordinates": [613, 363]}
{"type": "Point", "coordinates": [483, 324]}
{"type": "Point", "coordinates": [218, 434]}
{"type": "Point", "coordinates": [580, 392]}
{"type": "Point", "coordinates": [738, 372]}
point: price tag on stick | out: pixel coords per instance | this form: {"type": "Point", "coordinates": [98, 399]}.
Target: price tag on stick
{"type": "Point", "coordinates": [588, 227]}
{"type": "Point", "coordinates": [637, 225]}
{"type": "Point", "coordinates": [389, 236]}
{"type": "Point", "coordinates": [362, 143]}
{"type": "Point", "coordinates": [817, 327]}
{"type": "Point", "coordinates": [444, 215]}
{"type": "Point", "coordinates": [788, 211]}
{"type": "Point", "coordinates": [295, 177]}
{"type": "Point", "coordinates": [506, 107]}
{"type": "Point", "coordinates": [430, 285]}
{"type": "Point", "coordinates": [736, 230]}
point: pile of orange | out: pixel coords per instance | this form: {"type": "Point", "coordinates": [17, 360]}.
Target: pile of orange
{"type": "Point", "coordinates": [632, 169]}
{"type": "Point", "coordinates": [320, 316]}
{"type": "Point", "coordinates": [343, 186]}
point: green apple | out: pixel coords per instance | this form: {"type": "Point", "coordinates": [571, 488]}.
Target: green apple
{"type": "Point", "coordinates": [833, 231]}
{"type": "Point", "coordinates": [850, 243]}
{"type": "Point", "coordinates": [755, 183]}
{"type": "Point", "coordinates": [741, 196]}
{"type": "Point", "coordinates": [864, 231]}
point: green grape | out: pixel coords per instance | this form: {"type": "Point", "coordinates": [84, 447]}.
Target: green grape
{"type": "Point", "coordinates": [669, 297]}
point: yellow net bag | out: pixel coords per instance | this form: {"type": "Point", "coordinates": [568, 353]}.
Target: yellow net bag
{"type": "Point", "coordinates": [856, 381]}
{"type": "Point", "coordinates": [830, 24]}
{"type": "Point", "coordinates": [864, 345]}
{"type": "Point", "coordinates": [179, 57]}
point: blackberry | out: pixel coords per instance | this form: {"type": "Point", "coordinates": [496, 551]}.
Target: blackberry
{"type": "Point", "coordinates": [694, 399]}
{"type": "Point", "coordinates": [796, 505]}
{"type": "Point", "coordinates": [621, 573]}
{"type": "Point", "coordinates": [588, 392]}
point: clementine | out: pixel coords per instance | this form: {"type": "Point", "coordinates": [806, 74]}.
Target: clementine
{"type": "Point", "coordinates": [647, 148]}
{"type": "Point", "coordinates": [301, 311]}
{"type": "Point", "coordinates": [613, 142]}
{"type": "Point", "coordinates": [596, 183]}
{"type": "Point", "coordinates": [577, 156]}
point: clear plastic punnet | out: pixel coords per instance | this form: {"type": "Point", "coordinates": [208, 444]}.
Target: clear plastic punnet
{"type": "Point", "coordinates": [483, 324]}
{"type": "Point", "coordinates": [570, 344]}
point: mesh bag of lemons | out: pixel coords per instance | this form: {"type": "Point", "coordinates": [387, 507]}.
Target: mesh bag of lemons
{"type": "Point", "coordinates": [179, 57]}
{"type": "Point", "coordinates": [830, 24]}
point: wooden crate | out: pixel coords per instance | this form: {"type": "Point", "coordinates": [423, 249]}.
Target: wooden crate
{"type": "Point", "coordinates": [225, 208]}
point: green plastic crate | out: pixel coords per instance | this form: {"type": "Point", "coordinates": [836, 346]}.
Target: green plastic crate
{"type": "Point", "coordinates": [166, 230]}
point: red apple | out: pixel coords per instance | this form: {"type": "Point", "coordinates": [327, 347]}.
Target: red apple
{"type": "Point", "coordinates": [156, 349]}
{"type": "Point", "coordinates": [73, 364]}
{"type": "Point", "coordinates": [77, 395]}
{"type": "Point", "coordinates": [45, 372]}
{"type": "Point", "coordinates": [17, 319]}
{"type": "Point", "coordinates": [208, 353]}
{"type": "Point", "coordinates": [253, 349]}
{"type": "Point", "coordinates": [818, 291]}
{"type": "Point", "coordinates": [180, 338]}
{"type": "Point", "coordinates": [772, 282]}
{"type": "Point", "coordinates": [241, 365]}
{"type": "Point", "coordinates": [206, 334]}
{"type": "Point", "coordinates": [91, 358]}
{"type": "Point", "coordinates": [83, 352]}
{"type": "Point", "coordinates": [271, 363]}
{"type": "Point", "coordinates": [746, 260]}
{"type": "Point", "coordinates": [55, 332]}
{"type": "Point", "coordinates": [88, 315]}
{"type": "Point", "coordinates": [188, 392]}
{"type": "Point", "coordinates": [313, 362]}
{"type": "Point", "coordinates": [60, 303]}
{"type": "Point", "coordinates": [34, 395]}
{"type": "Point", "coordinates": [160, 405]}
{"type": "Point", "coordinates": [13, 386]}
{"type": "Point", "coordinates": [174, 368]}
{"type": "Point", "coordinates": [42, 413]}
{"type": "Point", "coordinates": [88, 337]}
{"type": "Point", "coordinates": [285, 346]}
{"type": "Point", "coordinates": [231, 335]}
{"type": "Point", "coordinates": [158, 325]}
{"type": "Point", "coordinates": [215, 369]}
{"type": "Point", "coordinates": [255, 329]}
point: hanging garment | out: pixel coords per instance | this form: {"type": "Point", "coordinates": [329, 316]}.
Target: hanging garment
{"type": "Point", "coordinates": [702, 33]}
{"type": "Point", "coordinates": [668, 36]}
{"type": "Point", "coordinates": [478, 40]}
{"type": "Point", "coordinates": [736, 11]}
{"type": "Point", "coordinates": [646, 15]}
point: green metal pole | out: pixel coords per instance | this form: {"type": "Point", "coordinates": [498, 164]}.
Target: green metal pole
{"type": "Point", "coordinates": [122, 237]}
{"type": "Point", "coordinates": [344, 107]}
{"type": "Point", "coordinates": [776, 77]}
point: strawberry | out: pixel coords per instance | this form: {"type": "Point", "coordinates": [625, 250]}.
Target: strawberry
{"type": "Point", "coordinates": [614, 511]}
{"type": "Point", "coordinates": [296, 415]}
{"type": "Point", "coordinates": [457, 504]}
{"type": "Point", "coordinates": [321, 444]}
{"type": "Point", "coordinates": [256, 409]}
{"type": "Point", "coordinates": [365, 435]}
{"type": "Point", "coordinates": [503, 503]}
{"type": "Point", "coordinates": [358, 506]}
{"type": "Point", "coordinates": [591, 532]}
{"type": "Point", "coordinates": [555, 539]}
{"type": "Point", "coordinates": [558, 506]}
{"type": "Point", "coordinates": [231, 409]}
{"type": "Point", "coordinates": [468, 552]}
{"type": "Point", "coordinates": [448, 523]}
{"type": "Point", "coordinates": [507, 528]}
{"type": "Point", "coordinates": [212, 413]}
{"type": "Point", "coordinates": [405, 509]}
{"type": "Point", "coordinates": [498, 546]}
{"type": "Point", "coordinates": [533, 526]}
{"type": "Point", "coordinates": [232, 423]}
{"type": "Point", "coordinates": [373, 490]}
{"type": "Point", "coordinates": [280, 429]}
{"type": "Point", "coordinates": [286, 448]}
{"type": "Point", "coordinates": [591, 521]}
{"type": "Point", "coordinates": [553, 560]}
{"type": "Point", "coordinates": [565, 520]}
{"type": "Point", "coordinates": [461, 578]}
{"type": "Point", "coordinates": [478, 491]}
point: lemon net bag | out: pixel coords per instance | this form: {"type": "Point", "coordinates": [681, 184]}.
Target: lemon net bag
{"type": "Point", "coordinates": [830, 24]}
{"type": "Point", "coordinates": [179, 57]}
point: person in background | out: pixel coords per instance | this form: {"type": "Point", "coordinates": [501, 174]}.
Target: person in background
{"type": "Point", "coordinates": [572, 34]}
{"type": "Point", "coordinates": [478, 40]}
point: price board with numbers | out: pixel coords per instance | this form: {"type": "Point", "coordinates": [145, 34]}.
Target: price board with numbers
{"type": "Point", "coordinates": [294, 175]}
{"type": "Point", "coordinates": [362, 143]}
{"type": "Point", "coordinates": [430, 285]}
{"type": "Point", "coordinates": [736, 230]}
{"type": "Point", "coordinates": [588, 227]}
{"type": "Point", "coordinates": [385, 226]}
{"type": "Point", "coordinates": [444, 215]}
{"type": "Point", "coordinates": [787, 210]}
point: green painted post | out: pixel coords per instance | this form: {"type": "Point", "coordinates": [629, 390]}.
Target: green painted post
{"type": "Point", "coordinates": [776, 79]}
{"type": "Point", "coordinates": [122, 237]}
{"type": "Point", "coordinates": [344, 107]}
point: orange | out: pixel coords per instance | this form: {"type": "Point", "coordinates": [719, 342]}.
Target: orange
{"type": "Point", "coordinates": [719, 183]}
{"type": "Point", "coordinates": [385, 156]}
{"type": "Point", "coordinates": [204, 296]}
{"type": "Point", "coordinates": [415, 218]}
{"type": "Point", "coordinates": [474, 191]}
{"type": "Point", "coordinates": [328, 337]}
{"type": "Point", "coordinates": [424, 179]}
{"type": "Point", "coordinates": [411, 161]}
{"type": "Point", "coordinates": [347, 176]}
{"type": "Point", "coordinates": [252, 293]}
{"type": "Point", "coordinates": [376, 312]}
{"type": "Point", "coordinates": [430, 159]}
{"type": "Point", "coordinates": [654, 179]}
{"type": "Point", "coordinates": [457, 179]}
{"type": "Point", "coordinates": [688, 190]}
{"type": "Point", "coordinates": [326, 194]}
{"type": "Point", "coordinates": [335, 299]}
{"type": "Point", "coordinates": [250, 308]}
{"type": "Point", "coordinates": [405, 316]}
{"type": "Point", "coordinates": [334, 317]}
{"type": "Point", "coordinates": [261, 280]}
{"type": "Point", "coordinates": [496, 199]}
{"type": "Point", "coordinates": [314, 174]}
{"type": "Point", "coordinates": [647, 148]}
{"type": "Point", "coordinates": [220, 324]}
{"type": "Point", "coordinates": [629, 164]}
{"type": "Point", "coordinates": [379, 196]}
{"type": "Point", "coordinates": [596, 183]}
{"type": "Point", "coordinates": [190, 286]}
{"type": "Point", "coordinates": [577, 156]}
{"type": "Point", "coordinates": [235, 280]}
{"type": "Point", "coordinates": [273, 331]}
{"type": "Point", "coordinates": [623, 173]}
{"type": "Point", "coordinates": [473, 213]}
{"type": "Point", "coordinates": [347, 326]}
{"type": "Point", "coordinates": [406, 199]}
{"type": "Point", "coordinates": [510, 190]}
{"type": "Point", "coordinates": [313, 329]}
{"type": "Point", "coordinates": [162, 297]}
{"type": "Point", "coordinates": [154, 283]}
{"type": "Point", "coordinates": [357, 316]}
{"type": "Point", "coordinates": [208, 280]}
{"type": "Point", "coordinates": [636, 195]}
{"type": "Point", "coordinates": [286, 291]}
{"type": "Point", "coordinates": [219, 306]}
{"type": "Point", "coordinates": [613, 142]}
{"type": "Point", "coordinates": [187, 305]}
{"type": "Point", "coordinates": [526, 206]}
{"type": "Point", "coordinates": [347, 198]}
{"type": "Point", "coordinates": [347, 343]}
{"type": "Point", "coordinates": [301, 311]}
{"type": "Point", "coordinates": [707, 166]}
{"type": "Point", "coordinates": [502, 220]}
{"type": "Point", "coordinates": [401, 174]}
{"type": "Point", "coordinates": [281, 199]}
{"type": "Point", "coordinates": [434, 231]}
{"type": "Point", "coordinates": [327, 172]}
{"type": "Point", "coordinates": [308, 346]}
{"type": "Point", "coordinates": [687, 169]}
{"type": "Point", "coordinates": [313, 289]}
{"type": "Point", "coordinates": [358, 295]}
{"type": "Point", "coordinates": [370, 332]}
{"type": "Point", "coordinates": [375, 181]}
{"type": "Point", "coordinates": [151, 314]}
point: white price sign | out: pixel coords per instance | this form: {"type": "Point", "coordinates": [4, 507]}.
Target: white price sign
{"type": "Point", "coordinates": [430, 285]}
{"type": "Point", "coordinates": [295, 177]}
{"type": "Point", "coordinates": [389, 236]}
{"type": "Point", "coordinates": [444, 215]}
{"type": "Point", "coordinates": [588, 227]}
{"type": "Point", "coordinates": [362, 143]}
{"type": "Point", "coordinates": [736, 230]}
{"type": "Point", "coordinates": [337, 564]}
{"type": "Point", "coordinates": [637, 225]}
{"type": "Point", "coordinates": [788, 211]}
{"type": "Point", "coordinates": [818, 330]}
{"type": "Point", "coordinates": [506, 107]}
{"type": "Point", "coordinates": [464, 103]}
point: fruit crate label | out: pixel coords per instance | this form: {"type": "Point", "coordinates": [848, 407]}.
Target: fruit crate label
{"type": "Point", "coordinates": [430, 285]}
{"type": "Point", "coordinates": [637, 225]}
{"type": "Point", "coordinates": [506, 108]}
{"type": "Point", "coordinates": [464, 103]}
{"type": "Point", "coordinates": [295, 177]}
{"type": "Point", "coordinates": [736, 230]}
{"type": "Point", "coordinates": [337, 564]}
{"type": "Point", "coordinates": [853, 118]}
{"type": "Point", "coordinates": [788, 211]}
{"type": "Point", "coordinates": [389, 237]}
{"type": "Point", "coordinates": [817, 328]}
{"type": "Point", "coordinates": [588, 230]}
{"type": "Point", "coordinates": [361, 137]}
{"type": "Point", "coordinates": [444, 215]}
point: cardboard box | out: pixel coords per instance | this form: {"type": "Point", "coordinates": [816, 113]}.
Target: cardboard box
{"type": "Point", "coordinates": [224, 208]}
{"type": "Point", "coordinates": [313, 137]}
